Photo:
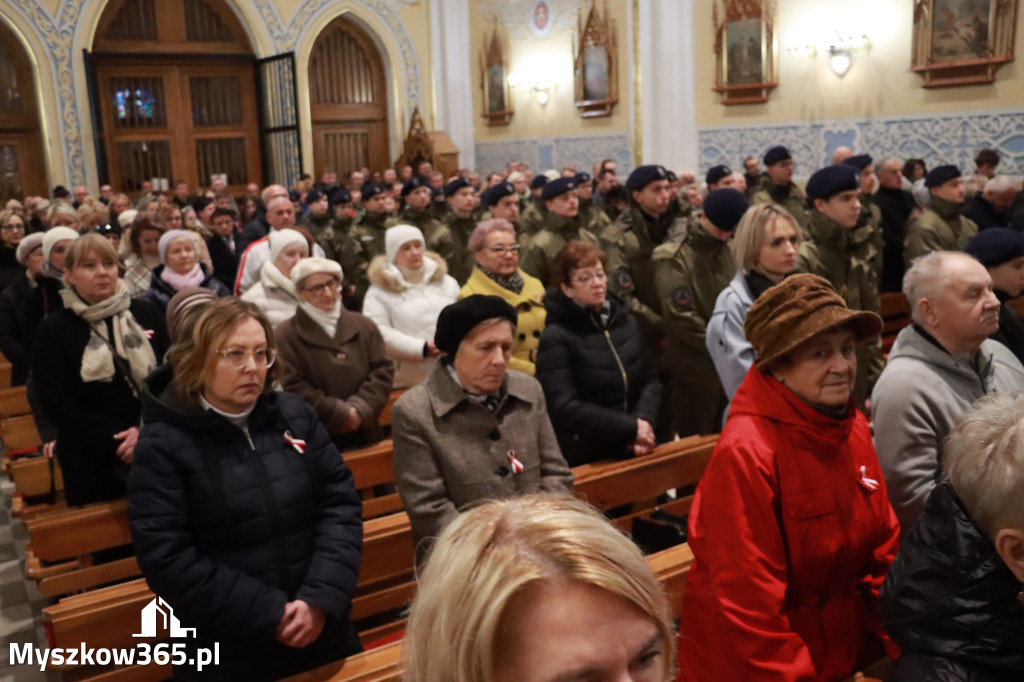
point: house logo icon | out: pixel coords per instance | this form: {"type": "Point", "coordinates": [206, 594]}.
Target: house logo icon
{"type": "Point", "coordinates": [159, 609]}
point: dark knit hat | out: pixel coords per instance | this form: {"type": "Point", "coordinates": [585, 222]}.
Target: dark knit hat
{"type": "Point", "coordinates": [724, 207]}
{"type": "Point", "coordinates": [496, 193]}
{"type": "Point", "coordinates": [315, 195]}
{"type": "Point", "coordinates": [860, 161]}
{"type": "Point", "coordinates": [832, 180]}
{"type": "Point", "coordinates": [459, 318]}
{"type": "Point", "coordinates": [340, 196]}
{"type": "Point", "coordinates": [775, 155]}
{"type": "Point", "coordinates": [994, 246]}
{"type": "Point", "coordinates": [645, 175]}
{"type": "Point", "coordinates": [538, 181]}
{"type": "Point", "coordinates": [581, 178]}
{"type": "Point", "coordinates": [414, 183]}
{"type": "Point", "coordinates": [557, 188]}
{"type": "Point", "coordinates": [798, 309]}
{"type": "Point", "coordinates": [372, 189]}
{"type": "Point", "coordinates": [716, 173]}
{"type": "Point", "coordinates": [455, 185]}
{"type": "Point", "coordinates": [109, 228]}
{"type": "Point", "coordinates": [940, 174]}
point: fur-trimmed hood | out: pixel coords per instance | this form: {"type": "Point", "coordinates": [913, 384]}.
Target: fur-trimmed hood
{"type": "Point", "coordinates": [388, 277]}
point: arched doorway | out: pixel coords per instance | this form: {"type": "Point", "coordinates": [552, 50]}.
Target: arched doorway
{"type": "Point", "coordinates": [21, 148]}
{"type": "Point", "coordinates": [176, 96]}
{"type": "Point", "coordinates": [348, 100]}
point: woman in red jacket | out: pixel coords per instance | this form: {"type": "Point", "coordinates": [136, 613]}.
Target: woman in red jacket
{"type": "Point", "coordinates": [791, 527]}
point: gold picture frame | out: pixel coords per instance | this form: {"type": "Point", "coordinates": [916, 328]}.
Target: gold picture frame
{"type": "Point", "coordinates": [596, 68]}
{"type": "Point", "coordinates": [746, 50]}
{"type": "Point", "coordinates": [962, 42]}
{"type": "Point", "coordinates": [497, 95]}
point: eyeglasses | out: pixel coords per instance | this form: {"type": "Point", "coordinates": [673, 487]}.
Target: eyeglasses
{"type": "Point", "coordinates": [588, 278]}
{"type": "Point", "coordinates": [238, 358]}
{"type": "Point", "coordinates": [13, 227]}
{"type": "Point", "coordinates": [500, 250]}
{"type": "Point", "coordinates": [318, 289]}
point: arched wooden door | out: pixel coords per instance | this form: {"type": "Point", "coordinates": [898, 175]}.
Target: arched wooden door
{"type": "Point", "coordinates": [22, 171]}
{"type": "Point", "coordinates": [348, 100]}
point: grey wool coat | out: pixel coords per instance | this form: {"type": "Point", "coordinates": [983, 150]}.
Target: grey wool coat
{"type": "Point", "coordinates": [451, 452]}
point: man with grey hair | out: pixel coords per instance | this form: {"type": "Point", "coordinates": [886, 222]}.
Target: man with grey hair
{"type": "Point", "coordinates": [259, 227]}
{"type": "Point", "coordinates": [896, 206]}
{"type": "Point", "coordinates": [991, 208]}
{"type": "Point", "coordinates": [937, 368]}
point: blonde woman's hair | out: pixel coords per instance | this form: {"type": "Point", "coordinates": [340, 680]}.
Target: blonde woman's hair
{"type": "Point", "coordinates": [984, 459]}
{"type": "Point", "coordinates": [80, 248]}
{"type": "Point", "coordinates": [494, 552]}
{"type": "Point", "coordinates": [750, 234]}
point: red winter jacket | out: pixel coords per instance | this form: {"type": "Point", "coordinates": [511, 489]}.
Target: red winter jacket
{"type": "Point", "coordinates": [792, 534]}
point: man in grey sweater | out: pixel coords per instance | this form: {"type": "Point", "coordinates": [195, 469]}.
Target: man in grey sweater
{"type": "Point", "coordinates": [937, 368]}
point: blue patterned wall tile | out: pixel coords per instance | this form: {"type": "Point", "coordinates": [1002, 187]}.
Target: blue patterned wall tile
{"type": "Point", "coordinates": [544, 153]}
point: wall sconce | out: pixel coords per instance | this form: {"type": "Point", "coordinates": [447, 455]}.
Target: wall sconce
{"type": "Point", "coordinates": [542, 91]}
{"type": "Point", "coordinates": [840, 51]}
{"type": "Point", "coordinates": [839, 60]}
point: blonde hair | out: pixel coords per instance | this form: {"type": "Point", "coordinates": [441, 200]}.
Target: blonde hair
{"type": "Point", "coordinates": [92, 213]}
{"type": "Point", "coordinates": [750, 234]}
{"type": "Point", "coordinates": [494, 552]}
{"type": "Point", "coordinates": [80, 248]}
{"type": "Point", "coordinates": [983, 457]}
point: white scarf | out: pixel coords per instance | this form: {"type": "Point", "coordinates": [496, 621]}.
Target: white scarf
{"type": "Point", "coordinates": [130, 340]}
{"type": "Point", "coordinates": [327, 319]}
{"type": "Point", "coordinates": [277, 278]}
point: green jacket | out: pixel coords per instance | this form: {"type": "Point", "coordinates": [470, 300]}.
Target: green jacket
{"type": "Point", "coordinates": [592, 217]}
{"type": "Point", "coordinates": [790, 197]}
{"type": "Point", "coordinates": [436, 234]}
{"type": "Point", "coordinates": [558, 231]}
{"type": "Point", "coordinates": [365, 241]}
{"type": "Point", "coordinates": [867, 236]}
{"type": "Point", "coordinates": [460, 265]}
{"type": "Point", "coordinates": [531, 218]}
{"type": "Point", "coordinates": [939, 228]}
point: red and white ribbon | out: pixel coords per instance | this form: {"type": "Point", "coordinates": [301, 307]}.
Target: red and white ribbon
{"type": "Point", "coordinates": [513, 461]}
{"type": "Point", "coordinates": [297, 443]}
{"type": "Point", "coordinates": [149, 333]}
{"type": "Point", "coordinates": [869, 483]}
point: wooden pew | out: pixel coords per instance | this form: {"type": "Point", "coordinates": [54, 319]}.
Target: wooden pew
{"type": "Point", "coordinates": [5, 374]}
{"type": "Point", "coordinates": [31, 476]}
{"type": "Point", "coordinates": [385, 415]}
{"type": "Point", "coordinates": [14, 402]}
{"type": "Point", "coordinates": [895, 313]}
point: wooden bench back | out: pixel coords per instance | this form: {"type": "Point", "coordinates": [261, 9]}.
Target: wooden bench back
{"type": "Point", "coordinates": [14, 402]}
{"type": "Point", "coordinates": [895, 313]}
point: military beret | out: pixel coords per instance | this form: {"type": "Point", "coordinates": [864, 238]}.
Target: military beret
{"type": "Point", "coordinates": [995, 246]}
{"type": "Point", "coordinates": [496, 193]}
{"type": "Point", "coordinates": [538, 181]}
{"type": "Point", "coordinates": [105, 229]}
{"type": "Point", "coordinates": [372, 189]}
{"type": "Point", "coordinates": [414, 183]}
{"type": "Point", "coordinates": [315, 195]}
{"type": "Point", "coordinates": [832, 180]}
{"type": "Point", "coordinates": [557, 187]}
{"type": "Point", "coordinates": [860, 162]}
{"type": "Point", "coordinates": [293, 196]}
{"type": "Point", "coordinates": [716, 174]}
{"type": "Point", "coordinates": [459, 318]}
{"type": "Point", "coordinates": [724, 207]}
{"type": "Point", "coordinates": [645, 175]}
{"type": "Point", "coordinates": [940, 174]}
{"type": "Point", "coordinates": [340, 196]}
{"type": "Point", "coordinates": [670, 176]}
{"type": "Point", "coordinates": [455, 185]}
{"type": "Point", "coordinates": [582, 177]}
{"type": "Point", "coordinates": [775, 155]}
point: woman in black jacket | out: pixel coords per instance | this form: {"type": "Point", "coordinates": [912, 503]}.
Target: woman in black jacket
{"type": "Point", "coordinates": [599, 381]}
{"type": "Point", "coordinates": [952, 600]}
{"type": "Point", "coordinates": [88, 361]}
{"type": "Point", "coordinates": [244, 518]}
{"type": "Point", "coordinates": [179, 269]}
{"type": "Point", "coordinates": [13, 328]}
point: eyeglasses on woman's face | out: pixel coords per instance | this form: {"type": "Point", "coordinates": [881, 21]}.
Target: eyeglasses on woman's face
{"type": "Point", "coordinates": [502, 249]}
{"type": "Point", "coordinates": [323, 288]}
{"type": "Point", "coordinates": [238, 358]}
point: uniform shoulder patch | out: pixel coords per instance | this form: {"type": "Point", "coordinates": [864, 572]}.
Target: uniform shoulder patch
{"type": "Point", "coordinates": [682, 298]}
{"type": "Point", "coordinates": [624, 279]}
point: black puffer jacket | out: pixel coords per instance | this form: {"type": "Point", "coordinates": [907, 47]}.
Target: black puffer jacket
{"type": "Point", "coordinates": [598, 379]}
{"type": "Point", "coordinates": [229, 527]}
{"type": "Point", "coordinates": [160, 292]}
{"type": "Point", "coordinates": [950, 602]}
{"type": "Point", "coordinates": [13, 328]}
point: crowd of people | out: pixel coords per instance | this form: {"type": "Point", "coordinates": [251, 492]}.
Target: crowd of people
{"type": "Point", "coordinates": [182, 348]}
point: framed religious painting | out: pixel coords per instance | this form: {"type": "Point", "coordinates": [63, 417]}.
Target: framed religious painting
{"type": "Point", "coordinates": [962, 42]}
{"type": "Point", "coordinates": [596, 74]}
{"type": "Point", "coordinates": [746, 50]}
{"type": "Point", "coordinates": [497, 99]}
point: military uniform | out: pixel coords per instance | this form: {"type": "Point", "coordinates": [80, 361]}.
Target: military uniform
{"type": "Point", "coordinates": [939, 228]}
{"type": "Point", "coordinates": [833, 253]}
{"type": "Point", "coordinates": [789, 197]}
{"type": "Point", "coordinates": [461, 263]}
{"type": "Point", "coordinates": [592, 217]}
{"type": "Point", "coordinates": [689, 277]}
{"type": "Point", "coordinates": [867, 236]}
{"type": "Point", "coordinates": [531, 218]}
{"type": "Point", "coordinates": [365, 242]}
{"type": "Point", "coordinates": [436, 234]}
{"type": "Point", "coordinates": [558, 231]}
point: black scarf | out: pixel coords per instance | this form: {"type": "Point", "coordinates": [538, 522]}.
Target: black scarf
{"type": "Point", "coordinates": [513, 282]}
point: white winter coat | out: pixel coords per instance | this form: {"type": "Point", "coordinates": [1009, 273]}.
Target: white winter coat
{"type": "Point", "coordinates": [274, 294]}
{"type": "Point", "coordinates": [407, 313]}
{"type": "Point", "coordinates": [726, 341]}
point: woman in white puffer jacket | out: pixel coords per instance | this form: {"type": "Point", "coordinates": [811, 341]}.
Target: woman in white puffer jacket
{"type": "Point", "coordinates": [275, 293]}
{"type": "Point", "coordinates": [408, 288]}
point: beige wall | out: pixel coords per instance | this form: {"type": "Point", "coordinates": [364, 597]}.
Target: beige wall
{"type": "Point", "coordinates": [878, 84]}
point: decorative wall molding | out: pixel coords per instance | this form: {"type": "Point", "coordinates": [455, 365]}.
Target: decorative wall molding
{"type": "Point", "coordinates": [949, 137]}
{"type": "Point", "coordinates": [543, 153]}
{"type": "Point", "coordinates": [517, 16]}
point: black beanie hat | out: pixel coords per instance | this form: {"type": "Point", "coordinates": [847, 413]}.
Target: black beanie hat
{"type": "Point", "coordinates": [459, 318]}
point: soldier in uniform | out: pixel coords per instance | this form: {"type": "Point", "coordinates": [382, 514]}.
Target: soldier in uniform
{"type": "Point", "coordinates": [832, 254]}
{"type": "Point", "coordinates": [561, 226]}
{"type": "Point", "coordinates": [461, 222]}
{"type": "Point", "coordinates": [502, 201]}
{"type": "Point", "coordinates": [868, 233]}
{"type": "Point", "coordinates": [753, 175]}
{"type": "Point", "coordinates": [940, 227]}
{"type": "Point", "coordinates": [718, 177]}
{"type": "Point", "coordinates": [366, 241]}
{"type": "Point", "coordinates": [591, 217]}
{"type": "Point", "coordinates": [417, 195]}
{"type": "Point", "coordinates": [779, 188]}
{"type": "Point", "coordinates": [689, 278]}
{"type": "Point", "coordinates": [531, 218]}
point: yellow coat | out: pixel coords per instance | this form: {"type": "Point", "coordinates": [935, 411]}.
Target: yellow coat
{"type": "Point", "coordinates": [529, 304]}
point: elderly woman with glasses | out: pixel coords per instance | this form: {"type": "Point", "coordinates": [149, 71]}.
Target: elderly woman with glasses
{"type": "Point", "coordinates": [243, 517]}
{"type": "Point", "coordinates": [600, 382]}
{"type": "Point", "coordinates": [497, 273]}
{"type": "Point", "coordinates": [335, 358]}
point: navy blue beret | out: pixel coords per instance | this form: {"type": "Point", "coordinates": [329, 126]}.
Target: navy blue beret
{"type": "Point", "coordinates": [372, 189]}
{"type": "Point", "coordinates": [670, 176]}
{"type": "Point", "coordinates": [832, 180]}
{"type": "Point", "coordinates": [496, 193]}
{"type": "Point", "coordinates": [340, 196]}
{"type": "Point", "coordinates": [645, 175]}
{"type": "Point", "coordinates": [557, 187]}
{"type": "Point", "coordinates": [775, 155]}
{"type": "Point", "coordinates": [315, 195]}
{"type": "Point", "coordinates": [940, 174]}
{"type": "Point", "coordinates": [538, 181]}
{"type": "Point", "coordinates": [293, 196]}
{"type": "Point", "coordinates": [414, 183]}
{"type": "Point", "coordinates": [455, 185]}
{"type": "Point", "coordinates": [459, 318]}
{"type": "Point", "coordinates": [716, 173]}
{"type": "Point", "coordinates": [724, 207]}
{"type": "Point", "coordinates": [582, 177]}
{"type": "Point", "coordinates": [860, 162]}
{"type": "Point", "coordinates": [994, 246]}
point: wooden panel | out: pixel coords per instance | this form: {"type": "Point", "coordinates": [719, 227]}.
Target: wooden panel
{"type": "Point", "coordinates": [221, 155]}
{"type": "Point", "coordinates": [170, 27]}
{"type": "Point", "coordinates": [81, 530]}
{"type": "Point", "coordinates": [216, 101]}
{"type": "Point", "coordinates": [20, 432]}
{"type": "Point", "coordinates": [204, 25]}
{"type": "Point", "coordinates": [15, 92]}
{"type": "Point", "coordinates": [14, 402]}
{"type": "Point", "coordinates": [343, 147]}
{"type": "Point", "coordinates": [342, 69]}
{"type": "Point", "coordinates": [134, 20]}
{"type": "Point", "coordinates": [21, 169]}
{"type": "Point", "coordinates": [141, 161]}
